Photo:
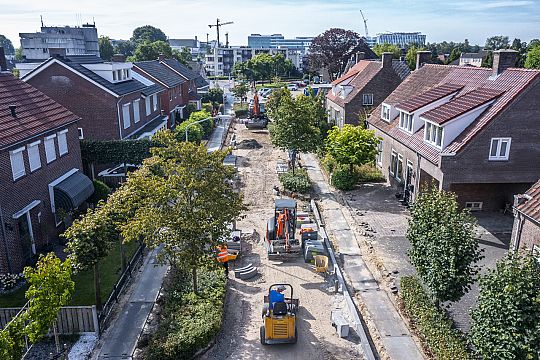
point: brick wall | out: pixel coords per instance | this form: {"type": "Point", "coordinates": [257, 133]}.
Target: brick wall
{"type": "Point", "coordinates": [493, 196]}
{"type": "Point", "coordinates": [15, 195]}
{"type": "Point", "coordinates": [529, 235]}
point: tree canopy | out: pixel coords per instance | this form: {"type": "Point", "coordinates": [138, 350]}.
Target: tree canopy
{"type": "Point", "coordinates": [333, 49]}
{"type": "Point", "coordinates": [7, 44]}
{"type": "Point", "coordinates": [148, 33]}
{"type": "Point", "coordinates": [106, 50]}
{"type": "Point", "coordinates": [125, 47]}
{"type": "Point", "coordinates": [151, 50]}
{"type": "Point", "coordinates": [352, 145]}
{"type": "Point", "coordinates": [410, 58]}
{"type": "Point", "coordinates": [533, 58]}
{"type": "Point", "coordinates": [263, 67]}
{"type": "Point", "coordinates": [184, 56]}
{"type": "Point", "coordinates": [381, 48]}
{"type": "Point", "coordinates": [506, 320]}
{"type": "Point", "coordinates": [443, 250]}
{"type": "Point", "coordinates": [497, 42]}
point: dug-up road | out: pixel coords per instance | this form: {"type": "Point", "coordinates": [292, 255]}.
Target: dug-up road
{"type": "Point", "coordinates": [239, 337]}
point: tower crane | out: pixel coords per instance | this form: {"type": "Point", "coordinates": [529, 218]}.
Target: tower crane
{"type": "Point", "coordinates": [365, 24]}
{"type": "Point", "coordinates": [217, 25]}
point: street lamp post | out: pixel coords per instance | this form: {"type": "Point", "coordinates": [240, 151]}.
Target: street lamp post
{"type": "Point", "coordinates": [196, 122]}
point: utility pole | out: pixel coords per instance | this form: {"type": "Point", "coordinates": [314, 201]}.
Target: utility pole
{"type": "Point", "coordinates": [217, 25]}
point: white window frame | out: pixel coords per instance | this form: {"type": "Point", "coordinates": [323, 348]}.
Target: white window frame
{"type": "Point", "coordinates": [380, 147]}
{"type": "Point", "coordinates": [155, 101]}
{"type": "Point", "coordinates": [136, 111]}
{"type": "Point", "coordinates": [51, 156]}
{"type": "Point", "coordinates": [80, 132]}
{"type": "Point", "coordinates": [435, 135]}
{"type": "Point", "coordinates": [393, 155]}
{"type": "Point", "coordinates": [17, 155]}
{"type": "Point", "coordinates": [385, 112]}
{"type": "Point", "coordinates": [33, 153]}
{"type": "Point", "coordinates": [148, 105]}
{"type": "Point", "coordinates": [474, 205]}
{"type": "Point", "coordinates": [62, 135]}
{"type": "Point", "coordinates": [126, 117]}
{"type": "Point", "coordinates": [406, 121]}
{"type": "Point", "coordinates": [399, 174]}
{"type": "Point", "coordinates": [498, 156]}
{"type": "Point", "coordinates": [367, 99]}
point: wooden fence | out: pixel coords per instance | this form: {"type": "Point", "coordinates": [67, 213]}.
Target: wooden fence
{"type": "Point", "coordinates": [70, 320]}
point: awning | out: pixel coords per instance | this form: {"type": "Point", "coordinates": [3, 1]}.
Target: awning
{"type": "Point", "coordinates": [72, 191]}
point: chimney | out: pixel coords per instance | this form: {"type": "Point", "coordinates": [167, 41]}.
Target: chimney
{"type": "Point", "coordinates": [118, 58]}
{"type": "Point", "coordinates": [359, 56]}
{"type": "Point", "coordinates": [387, 59]}
{"type": "Point", "coordinates": [3, 62]}
{"type": "Point", "coordinates": [502, 60]}
{"type": "Point", "coordinates": [13, 109]}
{"type": "Point", "coordinates": [161, 57]}
{"type": "Point", "coordinates": [422, 57]}
{"type": "Point", "coordinates": [196, 38]}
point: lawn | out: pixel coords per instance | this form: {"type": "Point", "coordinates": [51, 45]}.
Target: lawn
{"type": "Point", "coordinates": [110, 270]}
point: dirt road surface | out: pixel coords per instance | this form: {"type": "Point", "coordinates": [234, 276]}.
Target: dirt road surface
{"type": "Point", "coordinates": [239, 338]}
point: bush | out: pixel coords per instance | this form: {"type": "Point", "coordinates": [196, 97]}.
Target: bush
{"type": "Point", "coordinates": [435, 328]}
{"type": "Point", "coordinates": [101, 192]}
{"type": "Point", "coordinates": [369, 173]}
{"type": "Point", "coordinates": [344, 180]}
{"type": "Point", "coordinates": [241, 113]}
{"type": "Point", "coordinates": [207, 126]}
{"type": "Point", "coordinates": [208, 107]}
{"type": "Point", "coordinates": [329, 163]}
{"type": "Point", "coordinates": [299, 182]}
{"type": "Point", "coordinates": [195, 131]}
{"type": "Point", "coordinates": [190, 320]}
{"type": "Point", "coordinates": [10, 281]}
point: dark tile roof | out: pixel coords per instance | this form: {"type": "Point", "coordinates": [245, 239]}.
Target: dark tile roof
{"type": "Point", "coordinates": [416, 102]}
{"type": "Point", "coordinates": [160, 72]}
{"type": "Point", "coordinates": [512, 82]}
{"type": "Point", "coordinates": [187, 73]}
{"type": "Point", "coordinates": [152, 89]}
{"type": "Point", "coordinates": [151, 125]}
{"type": "Point", "coordinates": [461, 105]}
{"type": "Point", "coordinates": [36, 112]}
{"type": "Point", "coordinates": [531, 207]}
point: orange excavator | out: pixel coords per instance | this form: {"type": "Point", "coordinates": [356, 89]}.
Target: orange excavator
{"type": "Point", "coordinates": [280, 231]}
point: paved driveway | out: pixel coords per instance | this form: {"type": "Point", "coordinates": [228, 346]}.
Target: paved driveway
{"type": "Point", "coordinates": [384, 219]}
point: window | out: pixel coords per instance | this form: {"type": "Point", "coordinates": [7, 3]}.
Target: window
{"type": "Point", "coordinates": [399, 169]}
{"type": "Point", "coordinates": [17, 163]}
{"type": "Point", "coordinates": [81, 133]}
{"type": "Point", "coordinates": [136, 109]}
{"type": "Point", "coordinates": [500, 148]}
{"type": "Point", "coordinates": [379, 153]}
{"type": "Point", "coordinates": [125, 115]}
{"type": "Point", "coordinates": [474, 205]}
{"type": "Point", "coordinates": [367, 99]}
{"type": "Point", "coordinates": [433, 134]}
{"type": "Point", "coordinates": [393, 163]}
{"type": "Point", "coordinates": [147, 105]}
{"type": "Point", "coordinates": [62, 142]}
{"type": "Point", "coordinates": [33, 156]}
{"type": "Point", "coordinates": [154, 100]}
{"type": "Point", "coordinates": [385, 112]}
{"type": "Point", "coordinates": [405, 121]}
{"type": "Point", "coordinates": [50, 149]}
{"type": "Point", "coordinates": [114, 75]}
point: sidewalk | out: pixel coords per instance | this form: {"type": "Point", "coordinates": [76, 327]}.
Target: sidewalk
{"type": "Point", "coordinates": [395, 336]}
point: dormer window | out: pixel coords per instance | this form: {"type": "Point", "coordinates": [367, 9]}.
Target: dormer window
{"type": "Point", "coordinates": [433, 134]}
{"type": "Point", "coordinates": [367, 99]}
{"type": "Point", "coordinates": [406, 121]}
{"type": "Point", "coordinates": [385, 112]}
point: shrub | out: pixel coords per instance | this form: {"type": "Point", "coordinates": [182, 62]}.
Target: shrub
{"type": "Point", "coordinates": [208, 107]}
{"type": "Point", "coordinates": [435, 328]}
{"type": "Point", "coordinates": [9, 281]}
{"type": "Point", "coordinates": [195, 131]}
{"type": "Point", "coordinates": [329, 163]}
{"type": "Point", "coordinates": [344, 180]}
{"type": "Point", "coordinates": [241, 113]}
{"type": "Point", "coordinates": [190, 320]}
{"type": "Point", "coordinates": [101, 192]}
{"type": "Point", "coordinates": [299, 182]}
{"type": "Point", "coordinates": [369, 173]}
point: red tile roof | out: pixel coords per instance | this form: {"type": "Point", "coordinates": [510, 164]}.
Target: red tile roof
{"type": "Point", "coordinates": [461, 105]}
{"type": "Point", "coordinates": [434, 94]}
{"type": "Point", "coordinates": [36, 112]}
{"type": "Point", "coordinates": [531, 207]}
{"type": "Point", "coordinates": [358, 67]}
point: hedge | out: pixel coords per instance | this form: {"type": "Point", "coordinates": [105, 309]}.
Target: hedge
{"type": "Point", "coordinates": [435, 328]}
{"type": "Point", "coordinates": [189, 321]}
{"type": "Point", "coordinates": [115, 151]}
{"type": "Point", "coordinates": [299, 182]}
{"type": "Point", "coordinates": [343, 179]}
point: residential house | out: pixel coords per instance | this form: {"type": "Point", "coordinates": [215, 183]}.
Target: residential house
{"type": "Point", "coordinates": [473, 131]}
{"type": "Point", "coordinates": [363, 88]}
{"type": "Point", "coordinates": [197, 83]}
{"type": "Point", "coordinates": [40, 171]}
{"type": "Point", "coordinates": [110, 102]}
{"type": "Point", "coordinates": [526, 230]}
{"type": "Point", "coordinates": [472, 59]}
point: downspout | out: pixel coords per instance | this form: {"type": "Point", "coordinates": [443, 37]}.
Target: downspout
{"type": "Point", "coordinates": [118, 115]}
{"type": "Point", "coordinates": [5, 239]}
{"type": "Point", "coordinates": [517, 239]}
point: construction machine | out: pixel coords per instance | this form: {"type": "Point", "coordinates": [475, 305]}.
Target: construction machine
{"type": "Point", "coordinates": [280, 231]}
{"type": "Point", "coordinates": [279, 318]}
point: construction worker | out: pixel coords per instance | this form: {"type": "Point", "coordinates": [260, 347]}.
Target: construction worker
{"type": "Point", "coordinates": [276, 295]}
{"type": "Point", "coordinates": [223, 257]}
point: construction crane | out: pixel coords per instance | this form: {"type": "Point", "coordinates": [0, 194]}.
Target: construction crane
{"type": "Point", "coordinates": [219, 24]}
{"type": "Point", "coordinates": [365, 24]}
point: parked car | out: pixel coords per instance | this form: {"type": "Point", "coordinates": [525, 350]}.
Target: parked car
{"type": "Point", "coordinates": [292, 87]}
{"type": "Point", "coordinates": [300, 84]}
{"type": "Point", "coordinates": [261, 91]}
{"type": "Point", "coordinates": [308, 89]}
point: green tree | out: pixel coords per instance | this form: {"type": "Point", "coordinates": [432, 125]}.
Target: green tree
{"type": "Point", "coordinates": [124, 47]}
{"type": "Point", "coordinates": [106, 49]}
{"type": "Point", "coordinates": [101, 192]}
{"type": "Point", "coordinates": [294, 126]}
{"type": "Point", "coordinates": [410, 57]}
{"type": "Point", "coordinates": [51, 287]}
{"type": "Point", "coordinates": [19, 54]}
{"type": "Point", "coordinates": [151, 51]}
{"type": "Point", "coordinates": [497, 42]}
{"type": "Point", "coordinates": [521, 48]}
{"type": "Point", "coordinates": [214, 96]}
{"type": "Point", "coordinates": [443, 250]}
{"type": "Point", "coordinates": [352, 145]}
{"type": "Point", "coordinates": [7, 45]}
{"type": "Point", "coordinates": [381, 48]}
{"type": "Point", "coordinates": [240, 91]}
{"type": "Point", "coordinates": [487, 62]}
{"type": "Point", "coordinates": [184, 56]}
{"type": "Point", "coordinates": [208, 125]}
{"type": "Point", "coordinates": [506, 320]}
{"type": "Point", "coordinates": [148, 33]}
{"type": "Point", "coordinates": [533, 58]}
{"type": "Point", "coordinates": [261, 66]}
{"type": "Point", "coordinates": [90, 239]}
{"type": "Point", "coordinates": [188, 206]}
{"type": "Point", "coordinates": [454, 55]}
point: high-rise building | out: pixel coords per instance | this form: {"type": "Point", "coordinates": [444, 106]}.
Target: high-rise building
{"type": "Point", "coordinates": [277, 41]}
{"type": "Point", "coordinates": [402, 39]}
{"type": "Point", "coordinates": [60, 40]}
{"type": "Point", "coordinates": [258, 41]}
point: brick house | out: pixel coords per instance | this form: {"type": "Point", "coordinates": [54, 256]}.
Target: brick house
{"type": "Point", "coordinates": [363, 88]}
{"type": "Point", "coordinates": [197, 84]}
{"type": "Point", "coordinates": [110, 102]}
{"type": "Point", "coordinates": [526, 230]}
{"type": "Point", "coordinates": [40, 164]}
{"type": "Point", "coordinates": [473, 131]}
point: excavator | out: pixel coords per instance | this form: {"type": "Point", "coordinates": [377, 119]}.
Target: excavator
{"type": "Point", "coordinates": [280, 231]}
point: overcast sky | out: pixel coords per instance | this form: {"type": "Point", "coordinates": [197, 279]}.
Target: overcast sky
{"type": "Point", "coordinates": [452, 20]}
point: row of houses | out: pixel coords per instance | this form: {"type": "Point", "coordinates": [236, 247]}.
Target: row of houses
{"type": "Point", "coordinates": [470, 130]}
{"type": "Point", "coordinates": [43, 116]}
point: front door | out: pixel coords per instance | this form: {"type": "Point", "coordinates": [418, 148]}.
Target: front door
{"type": "Point", "coordinates": [409, 188]}
{"type": "Point", "coordinates": [26, 236]}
